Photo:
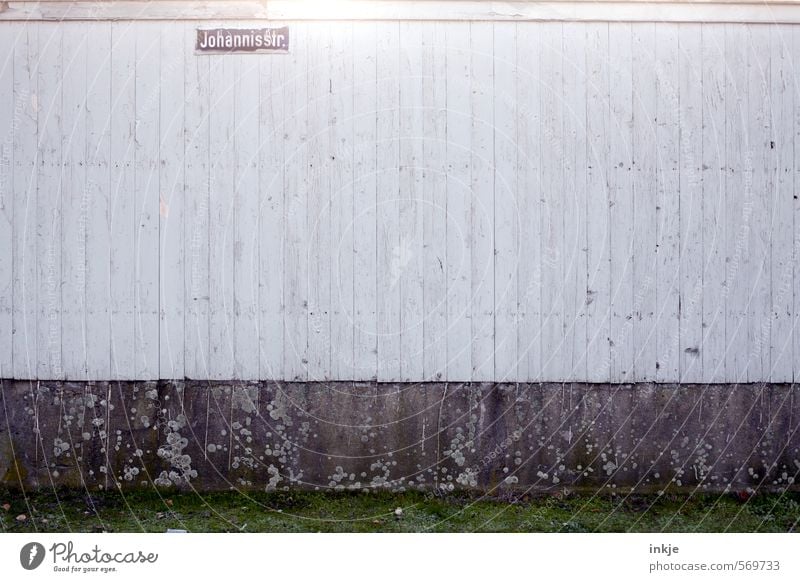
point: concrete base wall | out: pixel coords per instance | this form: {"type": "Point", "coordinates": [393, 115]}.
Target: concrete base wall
{"type": "Point", "coordinates": [343, 436]}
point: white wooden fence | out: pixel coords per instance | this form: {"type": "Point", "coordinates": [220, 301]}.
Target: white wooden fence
{"type": "Point", "coordinates": [401, 201]}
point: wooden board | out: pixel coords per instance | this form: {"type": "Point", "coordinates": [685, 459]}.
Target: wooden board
{"type": "Point", "coordinates": [392, 256]}
{"type": "Point", "coordinates": [147, 202]}
{"type": "Point", "coordinates": [365, 203]}
{"type": "Point", "coordinates": [690, 95]}
{"type": "Point", "coordinates": [459, 249]}
{"type": "Point", "coordinates": [400, 201]}
{"type": "Point", "coordinates": [171, 204]}
{"type": "Point", "coordinates": [668, 203]}
{"type": "Point", "coordinates": [7, 109]}
{"type": "Point", "coordinates": [122, 227]}
{"type": "Point", "coordinates": [645, 203]}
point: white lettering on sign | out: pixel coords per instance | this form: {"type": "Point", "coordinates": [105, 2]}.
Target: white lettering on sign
{"type": "Point", "coordinates": [242, 40]}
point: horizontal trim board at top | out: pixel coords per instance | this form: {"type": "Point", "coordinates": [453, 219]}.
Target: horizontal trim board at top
{"type": "Point", "coordinates": [730, 11]}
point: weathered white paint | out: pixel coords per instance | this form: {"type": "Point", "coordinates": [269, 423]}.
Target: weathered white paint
{"type": "Point", "coordinates": [402, 201]}
{"type": "Point", "coordinates": [734, 11]}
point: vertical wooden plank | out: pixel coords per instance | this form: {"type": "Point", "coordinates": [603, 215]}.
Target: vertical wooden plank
{"type": "Point", "coordinates": [75, 202]}
{"type": "Point", "coordinates": [410, 268]}
{"type": "Point", "coordinates": [598, 295]}
{"type": "Point", "coordinates": [645, 215]}
{"type": "Point", "coordinates": [26, 161]}
{"type": "Point", "coordinates": [98, 190]}
{"type": "Point", "coordinates": [272, 219]}
{"type": "Point", "coordinates": [122, 221]}
{"type": "Point", "coordinates": [506, 212]}
{"type": "Point", "coordinates": [738, 187]}
{"type": "Point", "coordinates": [621, 211]}
{"type": "Point", "coordinates": [221, 219]}
{"type": "Point", "coordinates": [668, 206]}
{"type": "Point", "coordinates": [690, 96]}
{"type": "Point", "coordinates": [551, 67]}
{"type": "Point", "coordinates": [340, 148]}
{"type": "Point", "coordinates": [319, 287]}
{"type": "Point", "coordinates": [481, 234]}
{"type": "Point", "coordinates": [196, 166]}
{"type": "Point", "coordinates": [296, 187]}
{"type": "Point", "coordinates": [759, 154]}
{"type": "Point", "coordinates": [715, 290]}
{"type": "Point", "coordinates": [319, 207]}
{"type": "Point", "coordinates": [392, 257]}
{"type": "Point", "coordinates": [781, 149]}
{"type": "Point", "coordinates": [49, 205]}
{"type": "Point", "coordinates": [575, 253]}
{"type": "Point", "coordinates": [147, 201]}
{"type": "Point", "coordinates": [25, 155]}
{"type": "Point", "coordinates": [365, 243]}
{"type": "Point", "coordinates": [529, 270]}
{"type": "Point", "coordinates": [459, 146]}
{"type": "Point", "coordinates": [434, 206]}
{"type": "Point", "coordinates": [8, 113]}
{"type": "Point", "coordinates": [171, 202]}
{"type": "Point", "coordinates": [246, 143]}
{"type": "Point", "coordinates": [795, 58]}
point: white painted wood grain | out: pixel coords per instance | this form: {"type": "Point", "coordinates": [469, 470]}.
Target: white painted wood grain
{"type": "Point", "coordinates": [97, 209]}
{"type": "Point", "coordinates": [171, 177]}
{"type": "Point", "coordinates": [122, 222]}
{"type": "Point", "coordinates": [365, 242]}
{"type": "Point", "coordinates": [774, 11]}
{"type": "Point", "coordinates": [196, 187]}
{"type": "Point", "coordinates": [246, 233]}
{"type": "Point", "coordinates": [621, 202]}
{"type": "Point", "coordinates": [342, 210]}
{"type": "Point", "coordinates": [796, 180]}
{"type": "Point", "coordinates": [598, 228]}
{"type": "Point", "coordinates": [75, 203]}
{"type": "Point", "coordinates": [48, 358]}
{"type": "Point", "coordinates": [690, 96]}
{"type": "Point", "coordinates": [7, 127]}
{"type": "Point", "coordinates": [26, 159]}
{"type": "Point", "coordinates": [552, 176]}
{"type": "Point", "coordinates": [319, 203]}
{"type": "Point", "coordinates": [529, 195]}
{"type": "Point", "coordinates": [147, 201]}
{"type": "Point", "coordinates": [411, 202]}
{"type": "Point", "coordinates": [49, 218]}
{"type": "Point", "coordinates": [296, 185]}
{"type": "Point", "coordinates": [759, 154]}
{"type": "Point", "coordinates": [423, 201]}
{"type": "Point", "coordinates": [738, 210]}
{"type": "Point", "coordinates": [392, 256]}
{"type": "Point", "coordinates": [645, 203]}
{"type": "Point", "coordinates": [481, 235]}
{"type": "Point", "coordinates": [668, 203]}
{"type": "Point", "coordinates": [781, 219]}
{"type": "Point", "coordinates": [8, 112]}
{"type": "Point", "coordinates": [715, 290]}
{"type": "Point", "coordinates": [272, 235]}
{"type": "Point", "coordinates": [574, 261]}
{"type": "Point", "coordinates": [221, 218]}
{"type": "Point", "coordinates": [459, 146]}
{"type": "Point", "coordinates": [506, 211]}
{"type": "Point", "coordinates": [434, 204]}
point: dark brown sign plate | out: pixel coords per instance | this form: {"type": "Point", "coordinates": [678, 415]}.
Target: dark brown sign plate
{"type": "Point", "coordinates": [242, 40]}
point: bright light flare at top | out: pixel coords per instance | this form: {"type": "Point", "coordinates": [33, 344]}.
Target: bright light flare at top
{"type": "Point", "coordinates": [324, 9]}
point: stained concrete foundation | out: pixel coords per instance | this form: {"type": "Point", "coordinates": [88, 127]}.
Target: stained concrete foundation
{"type": "Point", "coordinates": [495, 438]}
